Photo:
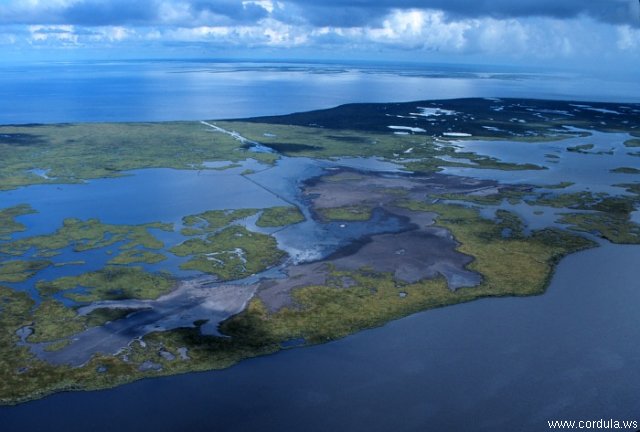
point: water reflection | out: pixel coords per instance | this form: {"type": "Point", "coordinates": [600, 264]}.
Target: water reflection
{"type": "Point", "coordinates": [159, 91]}
{"type": "Point", "coordinates": [589, 170]}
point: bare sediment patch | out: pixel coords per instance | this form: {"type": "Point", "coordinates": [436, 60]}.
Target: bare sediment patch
{"type": "Point", "coordinates": [347, 187]}
{"type": "Point", "coordinates": [276, 293]}
{"type": "Point", "coordinates": [420, 251]}
{"type": "Point", "coordinates": [414, 256]}
{"type": "Point", "coordinates": [193, 300]}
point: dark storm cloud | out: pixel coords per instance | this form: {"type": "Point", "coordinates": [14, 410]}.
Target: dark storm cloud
{"type": "Point", "coordinates": [324, 13]}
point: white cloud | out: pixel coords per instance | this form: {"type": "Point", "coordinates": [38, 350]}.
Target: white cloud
{"type": "Point", "coordinates": [55, 33]}
{"type": "Point", "coordinates": [267, 5]}
{"type": "Point", "coordinates": [270, 33]}
{"type": "Point", "coordinates": [283, 35]}
{"type": "Point", "coordinates": [31, 10]}
{"type": "Point", "coordinates": [173, 12]}
{"type": "Point", "coordinates": [499, 36]}
{"type": "Point", "coordinates": [628, 38]}
{"type": "Point", "coordinates": [114, 34]}
{"type": "Point", "coordinates": [282, 26]}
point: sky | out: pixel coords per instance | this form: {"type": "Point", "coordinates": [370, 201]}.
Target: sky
{"type": "Point", "coordinates": [582, 33]}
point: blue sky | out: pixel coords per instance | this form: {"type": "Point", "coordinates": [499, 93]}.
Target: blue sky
{"type": "Point", "coordinates": [582, 33]}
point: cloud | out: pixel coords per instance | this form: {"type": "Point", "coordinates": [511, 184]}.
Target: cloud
{"type": "Point", "coordinates": [134, 13]}
{"type": "Point", "coordinates": [237, 11]}
{"type": "Point", "coordinates": [319, 14]}
{"type": "Point", "coordinates": [499, 29]}
{"type": "Point", "coordinates": [628, 39]}
{"type": "Point", "coordinates": [58, 35]}
{"type": "Point", "coordinates": [113, 12]}
{"type": "Point", "coordinates": [421, 30]}
{"type": "Point", "coordinates": [332, 13]}
{"type": "Point", "coordinates": [610, 11]}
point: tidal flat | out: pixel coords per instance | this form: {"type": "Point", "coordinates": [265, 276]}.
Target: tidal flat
{"type": "Point", "coordinates": [362, 214]}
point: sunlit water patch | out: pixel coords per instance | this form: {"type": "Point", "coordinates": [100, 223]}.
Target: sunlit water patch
{"type": "Point", "coordinates": [588, 162]}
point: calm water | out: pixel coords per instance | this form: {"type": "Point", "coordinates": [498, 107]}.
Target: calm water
{"type": "Point", "coordinates": [496, 364]}
{"type": "Point", "coordinates": [155, 91]}
{"type": "Point", "coordinates": [589, 171]}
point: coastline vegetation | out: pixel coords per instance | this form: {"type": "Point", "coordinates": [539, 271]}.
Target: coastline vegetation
{"type": "Point", "coordinates": [626, 170]}
{"type": "Point", "coordinates": [586, 149]}
{"type": "Point", "coordinates": [615, 227]}
{"type": "Point", "coordinates": [561, 185]}
{"type": "Point", "coordinates": [20, 270]}
{"type": "Point", "coordinates": [213, 220]}
{"type": "Point", "coordinates": [352, 213]}
{"type": "Point", "coordinates": [582, 148]}
{"type": "Point", "coordinates": [276, 217]}
{"type": "Point", "coordinates": [137, 256]}
{"type": "Point", "coordinates": [416, 152]}
{"type": "Point", "coordinates": [8, 223]}
{"type": "Point", "coordinates": [73, 153]}
{"type": "Point", "coordinates": [110, 283]}
{"type": "Point", "coordinates": [86, 235]}
{"type": "Point", "coordinates": [232, 253]}
{"type": "Point", "coordinates": [607, 216]}
{"type": "Point", "coordinates": [53, 321]}
{"type": "Point", "coordinates": [632, 143]}
{"type": "Point", "coordinates": [513, 196]}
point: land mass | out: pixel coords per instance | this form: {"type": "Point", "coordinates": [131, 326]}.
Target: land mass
{"type": "Point", "coordinates": [360, 242]}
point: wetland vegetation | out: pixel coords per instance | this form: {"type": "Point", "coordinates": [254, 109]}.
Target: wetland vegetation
{"type": "Point", "coordinates": [72, 153]}
{"type": "Point", "coordinates": [346, 213]}
{"type": "Point", "coordinates": [86, 235]}
{"type": "Point", "coordinates": [110, 283]}
{"type": "Point", "coordinates": [279, 217]}
{"type": "Point", "coordinates": [19, 270]}
{"type": "Point", "coordinates": [232, 253]}
{"type": "Point", "coordinates": [437, 231]}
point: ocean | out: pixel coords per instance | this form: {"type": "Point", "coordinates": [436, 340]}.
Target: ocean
{"type": "Point", "coordinates": [196, 90]}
